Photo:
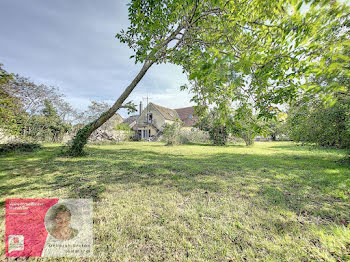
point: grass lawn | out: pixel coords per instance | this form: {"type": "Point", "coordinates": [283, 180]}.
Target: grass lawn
{"type": "Point", "coordinates": [274, 201]}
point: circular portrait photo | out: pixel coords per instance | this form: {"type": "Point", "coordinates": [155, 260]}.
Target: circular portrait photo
{"type": "Point", "coordinates": [58, 222]}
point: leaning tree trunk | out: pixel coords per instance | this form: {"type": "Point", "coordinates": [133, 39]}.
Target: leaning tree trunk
{"type": "Point", "coordinates": [83, 134]}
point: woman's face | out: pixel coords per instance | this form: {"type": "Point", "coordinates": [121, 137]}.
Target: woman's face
{"type": "Point", "coordinates": [62, 219]}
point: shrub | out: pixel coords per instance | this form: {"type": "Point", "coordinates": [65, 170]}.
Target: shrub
{"type": "Point", "coordinates": [193, 135]}
{"type": "Point", "coordinates": [310, 121]}
{"type": "Point", "coordinates": [19, 147]}
{"type": "Point", "coordinates": [219, 135]}
{"type": "Point", "coordinates": [171, 134]}
{"type": "Point", "coordinates": [122, 126]}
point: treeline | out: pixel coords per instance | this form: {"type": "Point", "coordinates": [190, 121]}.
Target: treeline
{"type": "Point", "coordinates": [37, 112]}
{"type": "Point", "coordinates": [40, 113]}
{"type": "Point", "coordinates": [309, 120]}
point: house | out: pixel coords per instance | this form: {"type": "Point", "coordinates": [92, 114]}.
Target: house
{"type": "Point", "coordinates": [112, 122]}
{"type": "Point", "coordinates": [187, 116]}
{"type": "Point", "coordinates": [106, 131]}
{"type": "Point", "coordinates": [151, 121]}
{"type": "Point", "coordinates": [131, 121]}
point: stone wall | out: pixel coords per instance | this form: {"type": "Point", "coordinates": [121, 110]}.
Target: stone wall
{"type": "Point", "coordinates": [157, 119]}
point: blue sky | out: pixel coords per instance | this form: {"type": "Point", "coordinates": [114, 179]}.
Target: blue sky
{"type": "Point", "coordinates": [71, 44]}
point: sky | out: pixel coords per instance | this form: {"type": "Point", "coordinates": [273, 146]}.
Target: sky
{"type": "Point", "coordinates": [71, 44]}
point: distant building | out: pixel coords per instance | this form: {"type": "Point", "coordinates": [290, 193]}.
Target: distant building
{"type": "Point", "coordinates": [112, 122]}
{"type": "Point", "coordinates": [131, 121]}
{"type": "Point", "coordinates": [187, 116]}
{"type": "Point", "coordinates": [151, 121]}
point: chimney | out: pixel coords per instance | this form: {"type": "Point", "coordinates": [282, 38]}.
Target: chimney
{"type": "Point", "coordinates": [140, 107]}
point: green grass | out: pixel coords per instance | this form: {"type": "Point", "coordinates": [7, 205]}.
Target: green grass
{"type": "Point", "coordinates": [271, 202]}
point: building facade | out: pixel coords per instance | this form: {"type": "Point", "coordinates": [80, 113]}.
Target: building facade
{"type": "Point", "coordinates": [151, 121]}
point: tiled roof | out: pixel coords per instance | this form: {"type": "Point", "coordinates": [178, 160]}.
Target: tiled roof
{"type": "Point", "coordinates": [187, 115]}
{"type": "Point", "coordinates": [169, 114]}
{"type": "Point", "coordinates": [130, 119]}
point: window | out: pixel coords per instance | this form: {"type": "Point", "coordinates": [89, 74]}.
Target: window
{"type": "Point", "coordinates": [190, 117]}
{"type": "Point", "coordinates": [149, 118]}
{"type": "Point", "coordinates": [146, 133]}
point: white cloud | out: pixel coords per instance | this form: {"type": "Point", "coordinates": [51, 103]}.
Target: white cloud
{"type": "Point", "coordinates": [72, 45]}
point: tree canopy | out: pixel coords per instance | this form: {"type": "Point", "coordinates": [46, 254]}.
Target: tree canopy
{"type": "Point", "coordinates": [31, 111]}
{"type": "Point", "coordinates": [263, 52]}
{"type": "Point", "coordinates": [271, 56]}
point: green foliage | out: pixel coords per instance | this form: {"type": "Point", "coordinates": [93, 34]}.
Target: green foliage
{"type": "Point", "coordinates": [171, 133]}
{"type": "Point", "coordinates": [240, 50]}
{"type": "Point", "coordinates": [47, 127]}
{"type": "Point", "coordinates": [75, 148]}
{"type": "Point", "coordinates": [11, 112]}
{"type": "Point", "coordinates": [266, 56]}
{"type": "Point", "coordinates": [5, 77]}
{"type": "Point", "coordinates": [218, 135]}
{"type": "Point", "coordinates": [30, 111]}
{"type": "Point", "coordinates": [311, 121]}
{"type": "Point", "coordinates": [19, 147]}
{"type": "Point", "coordinates": [10, 106]}
{"type": "Point", "coordinates": [193, 135]}
{"type": "Point", "coordinates": [217, 125]}
{"type": "Point", "coordinates": [152, 24]}
{"type": "Point", "coordinates": [247, 125]}
{"type": "Point", "coordinates": [240, 122]}
{"type": "Point", "coordinates": [122, 126]}
{"type": "Point", "coordinates": [276, 127]}
{"type": "Point", "coordinates": [131, 107]}
{"type": "Point", "coordinates": [49, 111]}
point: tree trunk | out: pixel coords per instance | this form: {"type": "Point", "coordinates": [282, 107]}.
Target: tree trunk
{"type": "Point", "coordinates": [248, 138]}
{"type": "Point", "coordinates": [273, 137]}
{"type": "Point", "coordinates": [83, 134]}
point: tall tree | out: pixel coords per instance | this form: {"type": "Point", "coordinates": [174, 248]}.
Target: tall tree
{"type": "Point", "coordinates": [158, 30]}
{"type": "Point", "coordinates": [94, 110]}
{"type": "Point", "coordinates": [10, 106]}
{"type": "Point", "coordinates": [311, 121]}
{"type": "Point", "coordinates": [218, 127]}
{"type": "Point", "coordinates": [258, 46]}
{"type": "Point", "coordinates": [271, 61]}
{"type": "Point", "coordinates": [28, 109]}
{"type": "Point", "coordinates": [33, 96]}
{"type": "Point", "coordinates": [46, 126]}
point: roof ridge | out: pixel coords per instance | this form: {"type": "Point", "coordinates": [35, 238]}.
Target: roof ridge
{"type": "Point", "coordinates": [160, 106]}
{"type": "Point", "coordinates": [184, 107]}
{"type": "Point", "coordinates": [164, 111]}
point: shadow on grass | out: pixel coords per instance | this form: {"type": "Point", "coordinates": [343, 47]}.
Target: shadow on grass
{"type": "Point", "coordinates": [211, 145]}
{"type": "Point", "coordinates": [300, 183]}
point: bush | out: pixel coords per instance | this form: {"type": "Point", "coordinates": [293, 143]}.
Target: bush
{"type": "Point", "coordinates": [219, 135]}
{"type": "Point", "coordinates": [171, 134]}
{"type": "Point", "coordinates": [122, 126]}
{"type": "Point", "coordinates": [19, 147]}
{"type": "Point", "coordinates": [193, 135]}
{"type": "Point", "coordinates": [47, 127]}
{"type": "Point", "coordinates": [310, 121]}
